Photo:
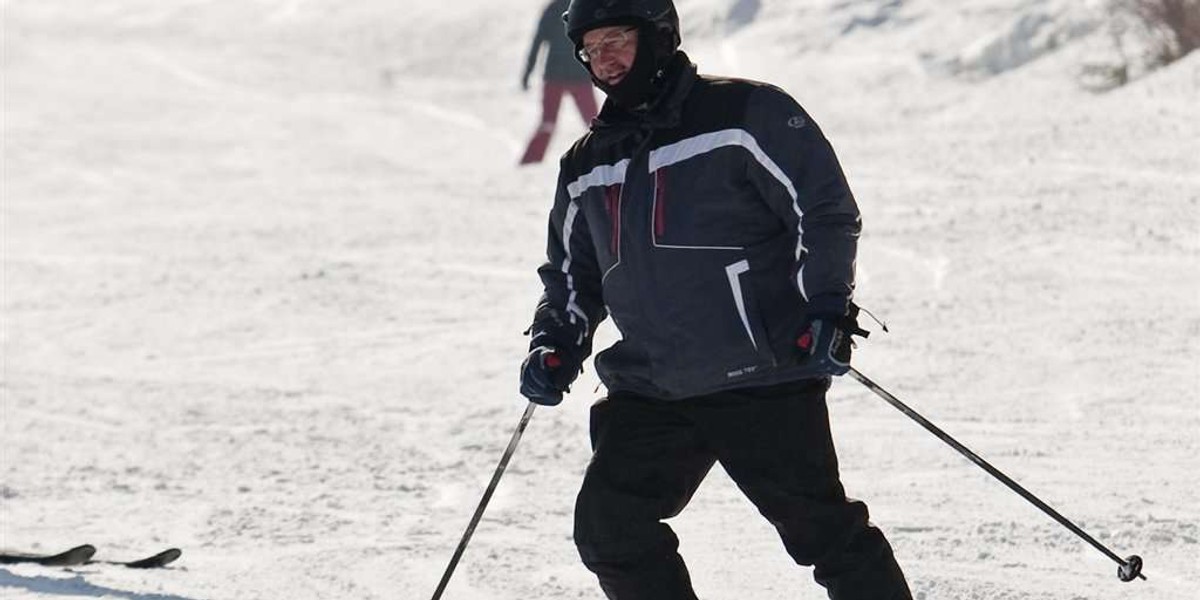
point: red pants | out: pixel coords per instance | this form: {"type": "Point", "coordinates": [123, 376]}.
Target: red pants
{"type": "Point", "coordinates": [552, 94]}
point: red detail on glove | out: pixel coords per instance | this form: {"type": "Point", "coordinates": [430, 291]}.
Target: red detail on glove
{"type": "Point", "coordinates": [805, 341]}
{"type": "Point", "coordinates": [553, 361]}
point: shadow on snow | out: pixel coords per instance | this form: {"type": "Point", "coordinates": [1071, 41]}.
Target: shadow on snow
{"type": "Point", "coordinates": [75, 586]}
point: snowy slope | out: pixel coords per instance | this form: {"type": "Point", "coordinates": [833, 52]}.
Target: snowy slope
{"type": "Point", "coordinates": [266, 265]}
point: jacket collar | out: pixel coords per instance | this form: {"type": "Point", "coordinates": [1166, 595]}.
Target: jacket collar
{"type": "Point", "coordinates": [662, 113]}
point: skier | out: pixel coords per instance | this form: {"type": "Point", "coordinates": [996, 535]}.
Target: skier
{"type": "Point", "coordinates": [562, 75]}
{"type": "Point", "coordinates": [711, 219]}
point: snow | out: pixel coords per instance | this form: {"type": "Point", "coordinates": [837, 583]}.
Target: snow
{"type": "Point", "coordinates": [266, 267]}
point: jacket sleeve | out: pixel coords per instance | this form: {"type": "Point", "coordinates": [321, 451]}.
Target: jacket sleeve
{"type": "Point", "coordinates": [572, 304]}
{"type": "Point", "coordinates": [797, 173]}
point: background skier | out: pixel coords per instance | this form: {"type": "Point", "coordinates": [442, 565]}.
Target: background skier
{"type": "Point", "coordinates": [561, 76]}
{"type": "Point", "coordinates": [711, 219]}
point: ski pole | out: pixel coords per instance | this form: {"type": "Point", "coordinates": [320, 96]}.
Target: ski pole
{"type": "Point", "coordinates": [483, 502]}
{"type": "Point", "coordinates": [1130, 568]}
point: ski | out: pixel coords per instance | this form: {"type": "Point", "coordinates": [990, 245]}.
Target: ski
{"type": "Point", "coordinates": [82, 555]}
{"type": "Point", "coordinates": [157, 561]}
{"type": "Point", "coordinates": [75, 556]}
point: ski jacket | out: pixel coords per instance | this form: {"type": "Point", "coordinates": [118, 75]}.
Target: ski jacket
{"type": "Point", "coordinates": [710, 227]}
{"type": "Point", "coordinates": [561, 66]}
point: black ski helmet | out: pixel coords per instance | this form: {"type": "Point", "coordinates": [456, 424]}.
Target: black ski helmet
{"type": "Point", "coordinates": [584, 15]}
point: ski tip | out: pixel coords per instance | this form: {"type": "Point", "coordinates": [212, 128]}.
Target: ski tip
{"type": "Point", "coordinates": [159, 560]}
{"type": "Point", "coordinates": [75, 556]}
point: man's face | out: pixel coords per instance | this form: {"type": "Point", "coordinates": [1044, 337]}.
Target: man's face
{"type": "Point", "coordinates": [610, 51]}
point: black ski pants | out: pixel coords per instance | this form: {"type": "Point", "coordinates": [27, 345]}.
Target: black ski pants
{"type": "Point", "coordinates": [649, 456]}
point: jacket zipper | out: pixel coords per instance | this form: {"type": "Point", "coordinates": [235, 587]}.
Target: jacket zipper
{"type": "Point", "coordinates": [613, 200]}
{"type": "Point", "coordinates": [660, 201]}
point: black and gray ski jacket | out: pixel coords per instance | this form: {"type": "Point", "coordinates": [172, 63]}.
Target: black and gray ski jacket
{"type": "Point", "coordinates": [709, 227]}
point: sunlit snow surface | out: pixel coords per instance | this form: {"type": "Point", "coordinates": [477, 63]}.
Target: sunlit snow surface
{"type": "Point", "coordinates": [266, 265]}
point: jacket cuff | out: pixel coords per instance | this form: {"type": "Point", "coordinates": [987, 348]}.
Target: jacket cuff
{"type": "Point", "coordinates": [828, 307]}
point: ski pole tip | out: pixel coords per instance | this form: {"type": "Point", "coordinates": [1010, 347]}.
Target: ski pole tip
{"type": "Point", "coordinates": [1131, 569]}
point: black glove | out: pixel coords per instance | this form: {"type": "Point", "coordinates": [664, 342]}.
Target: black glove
{"type": "Point", "coordinates": [546, 374]}
{"type": "Point", "coordinates": [825, 344]}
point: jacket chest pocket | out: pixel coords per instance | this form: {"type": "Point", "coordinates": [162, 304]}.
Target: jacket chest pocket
{"type": "Point", "coordinates": [602, 207]}
{"type": "Point", "coordinates": [694, 207]}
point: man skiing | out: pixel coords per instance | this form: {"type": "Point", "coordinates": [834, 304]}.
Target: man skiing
{"type": "Point", "coordinates": [561, 76]}
{"type": "Point", "coordinates": [710, 218]}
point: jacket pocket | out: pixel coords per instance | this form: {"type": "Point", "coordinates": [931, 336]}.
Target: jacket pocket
{"type": "Point", "coordinates": [701, 207]}
{"type": "Point", "coordinates": [734, 273]}
{"type": "Point", "coordinates": [714, 324]}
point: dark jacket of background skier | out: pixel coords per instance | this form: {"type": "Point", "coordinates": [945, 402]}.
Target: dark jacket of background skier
{"type": "Point", "coordinates": [710, 227]}
{"type": "Point", "coordinates": [560, 52]}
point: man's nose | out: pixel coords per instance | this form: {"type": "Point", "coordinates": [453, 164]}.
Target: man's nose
{"type": "Point", "coordinates": [607, 59]}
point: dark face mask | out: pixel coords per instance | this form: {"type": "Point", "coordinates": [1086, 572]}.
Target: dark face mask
{"type": "Point", "coordinates": [642, 83]}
